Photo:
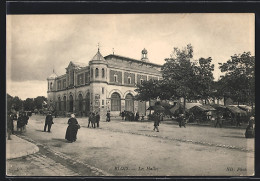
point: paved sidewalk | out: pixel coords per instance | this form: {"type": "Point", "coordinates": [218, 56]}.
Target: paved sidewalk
{"type": "Point", "coordinates": [18, 147]}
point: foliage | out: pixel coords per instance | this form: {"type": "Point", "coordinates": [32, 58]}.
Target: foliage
{"type": "Point", "coordinates": [239, 79]}
{"type": "Point", "coordinates": [148, 90]}
{"type": "Point", "coordinates": [28, 105]}
{"type": "Point", "coordinates": [204, 75]}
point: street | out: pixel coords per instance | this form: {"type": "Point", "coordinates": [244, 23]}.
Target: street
{"type": "Point", "coordinates": [120, 148]}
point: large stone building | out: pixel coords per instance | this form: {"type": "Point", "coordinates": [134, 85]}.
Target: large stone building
{"type": "Point", "coordinates": [106, 83]}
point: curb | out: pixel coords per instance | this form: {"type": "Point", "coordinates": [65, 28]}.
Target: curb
{"type": "Point", "coordinates": [32, 148]}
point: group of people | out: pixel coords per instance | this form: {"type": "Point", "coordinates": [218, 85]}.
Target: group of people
{"type": "Point", "coordinates": [94, 119]}
{"type": "Point", "coordinates": [22, 121]}
{"type": "Point", "coordinates": [130, 116]}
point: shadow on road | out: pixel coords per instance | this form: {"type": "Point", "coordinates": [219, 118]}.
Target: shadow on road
{"type": "Point", "coordinates": [61, 140]}
{"type": "Point", "coordinates": [234, 136]}
{"type": "Point", "coordinates": [39, 130]}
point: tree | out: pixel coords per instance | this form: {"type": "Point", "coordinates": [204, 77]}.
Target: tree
{"type": "Point", "coordinates": [28, 104]}
{"type": "Point", "coordinates": [38, 101]}
{"type": "Point", "coordinates": [148, 90]}
{"type": "Point", "coordinates": [17, 103]}
{"type": "Point", "coordinates": [179, 74]}
{"type": "Point", "coordinates": [239, 78]}
{"type": "Point", "coordinates": [204, 74]}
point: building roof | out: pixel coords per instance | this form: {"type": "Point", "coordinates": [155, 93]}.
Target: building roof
{"type": "Point", "coordinates": [98, 57]}
{"type": "Point", "coordinates": [53, 75]}
{"type": "Point", "coordinates": [132, 60]}
{"type": "Point", "coordinates": [79, 64]}
{"type": "Point", "coordinates": [192, 104]}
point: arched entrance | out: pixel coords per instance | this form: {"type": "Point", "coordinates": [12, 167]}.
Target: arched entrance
{"type": "Point", "coordinates": [71, 103]}
{"type": "Point", "coordinates": [59, 104]}
{"type": "Point", "coordinates": [129, 102]}
{"type": "Point", "coordinates": [87, 104]}
{"type": "Point", "coordinates": [80, 98]}
{"type": "Point", "coordinates": [64, 103]}
{"type": "Point", "coordinates": [115, 102]}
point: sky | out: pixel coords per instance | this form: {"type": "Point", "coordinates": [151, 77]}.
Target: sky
{"type": "Point", "coordinates": [37, 44]}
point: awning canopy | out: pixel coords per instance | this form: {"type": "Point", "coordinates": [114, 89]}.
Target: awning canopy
{"type": "Point", "coordinates": [236, 110]}
{"type": "Point", "coordinates": [156, 108]}
{"type": "Point", "coordinates": [203, 108]}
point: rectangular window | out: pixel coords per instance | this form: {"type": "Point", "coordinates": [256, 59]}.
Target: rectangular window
{"type": "Point", "coordinates": [86, 77]}
{"type": "Point", "coordinates": [103, 90]}
{"type": "Point", "coordinates": [103, 73]}
{"type": "Point", "coordinates": [115, 78]}
{"type": "Point", "coordinates": [96, 73]}
{"type": "Point", "coordinates": [103, 102]}
{"type": "Point", "coordinates": [59, 85]}
{"type": "Point", "coordinates": [64, 83]}
{"type": "Point", "coordinates": [129, 80]}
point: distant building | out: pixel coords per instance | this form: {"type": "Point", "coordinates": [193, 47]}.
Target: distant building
{"type": "Point", "coordinates": [105, 84]}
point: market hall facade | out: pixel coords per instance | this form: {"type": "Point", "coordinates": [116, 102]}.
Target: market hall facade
{"type": "Point", "coordinates": [104, 84]}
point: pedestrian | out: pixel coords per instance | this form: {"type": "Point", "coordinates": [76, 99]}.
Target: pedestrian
{"type": "Point", "coordinates": [123, 115]}
{"type": "Point", "coordinates": [48, 122]}
{"type": "Point", "coordinates": [97, 119]}
{"type": "Point", "coordinates": [72, 129]}
{"type": "Point", "coordinates": [25, 119]}
{"type": "Point", "coordinates": [13, 116]}
{"type": "Point", "coordinates": [108, 116]}
{"type": "Point", "coordinates": [89, 118]}
{"type": "Point", "coordinates": [238, 120]}
{"type": "Point", "coordinates": [156, 118]}
{"type": "Point", "coordinates": [218, 121]}
{"type": "Point", "coordinates": [137, 116]}
{"type": "Point", "coordinates": [181, 120]}
{"type": "Point", "coordinates": [9, 125]}
{"type": "Point", "coordinates": [93, 121]}
{"type": "Point", "coordinates": [250, 130]}
{"type": "Point", "coordinates": [142, 117]}
{"type": "Point", "coordinates": [19, 122]}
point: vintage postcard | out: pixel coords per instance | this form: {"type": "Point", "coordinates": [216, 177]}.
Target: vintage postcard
{"type": "Point", "coordinates": [130, 94]}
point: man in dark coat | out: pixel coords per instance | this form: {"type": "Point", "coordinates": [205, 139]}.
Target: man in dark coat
{"type": "Point", "coordinates": [90, 118]}
{"type": "Point", "coordinates": [156, 121]}
{"type": "Point", "coordinates": [97, 119]}
{"type": "Point", "coordinates": [123, 115]}
{"type": "Point", "coordinates": [20, 122]}
{"type": "Point", "coordinates": [137, 116]}
{"type": "Point", "coordinates": [25, 119]}
{"type": "Point", "coordinates": [182, 121]}
{"type": "Point", "coordinates": [218, 120]}
{"type": "Point", "coordinates": [48, 122]}
{"type": "Point", "coordinates": [108, 116]}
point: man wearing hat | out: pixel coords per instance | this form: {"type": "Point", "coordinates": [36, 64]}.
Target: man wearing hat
{"type": "Point", "coordinates": [48, 122]}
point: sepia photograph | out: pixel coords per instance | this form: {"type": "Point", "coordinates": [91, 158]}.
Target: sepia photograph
{"type": "Point", "coordinates": [155, 94]}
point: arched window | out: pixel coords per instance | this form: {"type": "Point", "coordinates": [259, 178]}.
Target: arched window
{"type": "Point", "coordinates": [51, 86]}
{"type": "Point", "coordinates": [115, 102]}
{"type": "Point", "coordinates": [87, 103]}
{"type": "Point", "coordinates": [91, 72]}
{"type": "Point", "coordinates": [80, 102]}
{"type": "Point", "coordinates": [103, 72]}
{"type": "Point", "coordinates": [129, 102]}
{"type": "Point", "coordinates": [71, 103]}
{"type": "Point", "coordinates": [96, 73]}
{"type": "Point", "coordinates": [64, 103]}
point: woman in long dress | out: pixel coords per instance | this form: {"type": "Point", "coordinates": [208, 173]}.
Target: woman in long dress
{"type": "Point", "coordinates": [72, 130]}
